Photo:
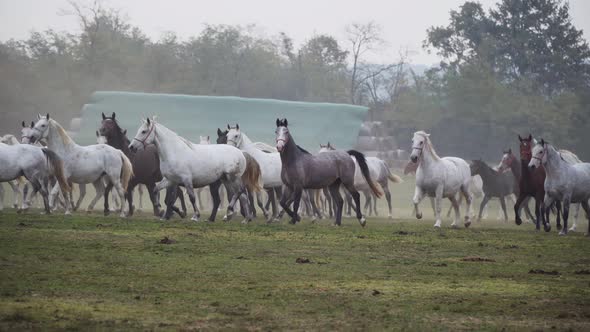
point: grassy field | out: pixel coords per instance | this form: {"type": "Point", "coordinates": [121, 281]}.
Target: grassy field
{"type": "Point", "coordinates": [93, 272]}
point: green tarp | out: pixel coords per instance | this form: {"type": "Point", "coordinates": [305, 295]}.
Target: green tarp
{"type": "Point", "coordinates": [192, 116]}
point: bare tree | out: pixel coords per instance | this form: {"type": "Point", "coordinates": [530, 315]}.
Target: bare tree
{"type": "Point", "coordinates": [362, 38]}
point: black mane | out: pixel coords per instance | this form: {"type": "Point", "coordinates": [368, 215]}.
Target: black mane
{"type": "Point", "coordinates": [302, 149]}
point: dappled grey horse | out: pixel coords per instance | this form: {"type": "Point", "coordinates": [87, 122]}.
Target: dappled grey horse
{"type": "Point", "coordinates": [302, 170]}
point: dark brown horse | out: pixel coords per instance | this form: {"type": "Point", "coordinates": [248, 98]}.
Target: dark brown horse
{"type": "Point", "coordinates": [532, 183]}
{"type": "Point", "coordinates": [146, 166]}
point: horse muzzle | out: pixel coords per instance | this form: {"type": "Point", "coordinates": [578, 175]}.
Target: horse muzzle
{"type": "Point", "coordinates": [414, 159]}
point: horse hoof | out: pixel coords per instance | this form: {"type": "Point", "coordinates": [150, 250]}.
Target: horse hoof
{"type": "Point", "coordinates": [467, 224]}
{"type": "Point", "coordinates": [68, 213]}
{"type": "Point", "coordinates": [19, 211]}
{"type": "Point", "coordinates": [562, 233]}
{"type": "Point", "coordinates": [572, 229]}
{"type": "Point", "coordinates": [437, 226]}
{"type": "Point", "coordinates": [547, 228]}
{"type": "Point", "coordinates": [107, 212]}
{"type": "Point", "coordinates": [419, 216]}
{"type": "Point", "coordinates": [195, 218]}
{"type": "Point", "coordinates": [363, 221]}
{"type": "Point", "coordinates": [518, 222]}
{"type": "Point", "coordinates": [225, 218]}
{"type": "Point", "coordinates": [559, 227]}
{"type": "Point", "coordinates": [245, 222]}
{"type": "Point", "coordinates": [454, 226]}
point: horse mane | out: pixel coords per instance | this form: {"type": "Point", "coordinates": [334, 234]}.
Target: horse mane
{"type": "Point", "coordinates": [66, 139]}
{"type": "Point", "coordinates": [302, 149]}
{"type": "Point", "coordinates": [429, 146]}
{"type": "Point", "coordinates": [568, 152]}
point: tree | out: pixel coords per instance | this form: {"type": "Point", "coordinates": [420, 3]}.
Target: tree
{"type": "Point", "coordinates": [520, 39]}
{"type": "Point", "coordinates": [362, 39]}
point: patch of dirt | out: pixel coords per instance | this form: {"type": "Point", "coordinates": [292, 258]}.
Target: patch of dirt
{"type": "Point", "coordinates": [477, 259]}
{"type": "Point", "coordinates": [301, 260]}
{"type": "Point", "coordinates": [565, 315]}
{"type": "Point", "coordinates": [361, 237]}
{"type": "Point", "coordinates": [440, 264]}
{"type": "Point", "coordinates": [376, 292]}
{"type": "Point", "coordinates": [539, 271]}
{"type": "Point", "coordinates": [101, 225]}
{"type": "Point", "coordinates": [403, 233]}
{"type": "Point", "coordinates": [512, 246]}
{"type": "Point", "coordinates": [22, 224]}
{"type": "Point", "coordinates": [241, 257]}
{"type": "Point", "coordinates": [582, 272]}
{"type": "Point", "coordinates": [167, 240]}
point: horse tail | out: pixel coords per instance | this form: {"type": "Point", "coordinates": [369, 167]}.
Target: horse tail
{"type": "Point", "coordinates": [126, 170]}
{"type": "Point", "coordinates": [56, 167]}
{"type": "Point", "coordinates": [393, 177]}
{"type": "Point", "coordinates": [252, 177]}
{"type": "Point", "coordinates": [360, 158]}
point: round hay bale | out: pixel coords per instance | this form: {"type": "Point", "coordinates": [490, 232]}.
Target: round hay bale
{"type": "Point", "coordinates": [365, 129]}
{"type": "Point", "coordinates": [75, 124]}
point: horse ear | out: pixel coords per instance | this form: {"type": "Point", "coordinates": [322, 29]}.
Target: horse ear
{"type": "Point", "coordinates": [39, 116]}
{"type": "Point", "coordinates": [148, 121]}
{"type": "Point", "coordinates": [519, 138]}
{"type": "Point", "coordinates": [97, 135]}
{"type": "Point", "coordinates": [124, 131]}
{"type": "Point", "coordinates": [278, 122]}
{"type": "Point", "coordinates": [208, 138]}
{"type": "Point", "coordinates": [113, 116]}
{"type": "Point", "coordinates": [542, 142]}
{"type": "Point", "coordinates": [219, 132]}
{"type": "Point", "coordinates": [285, 122]}
{"type": "Point", "coordinates": [23, 124]}
{"type": "Point", "coordinates": [510, 151]}
{"type": "Point", "coordinates": [47, 116]}
{"type": "Point", "coordinates": [530, 137]}
{"type": "Point", "coordinates": [103, 116]}
{"type": "Point", "coordinates": [237, 126]}
{"type": "Point", "coordinates": [32, 124]}
{"type": "Point", "coordinates": [228, 127]}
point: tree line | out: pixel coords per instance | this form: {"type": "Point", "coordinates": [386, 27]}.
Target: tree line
{"type": "Point", "coordinates": [519, 67]}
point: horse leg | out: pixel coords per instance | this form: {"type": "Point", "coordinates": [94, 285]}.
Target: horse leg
{"type": "Point", "coordinates": [1, 197]}
{"type": "Point", "coordinates": [130, 188]}
{"type": "Point", "coordinates": [586, 208]}
{"type": "Point", "coordinates": [544, 210]}
{"type": "Point", "coordinates": [16, 192]}
{"type": "Point", "coordinates": [338, 202]}
{"type": "Point", "coordinates": [271, 198]}
{"type": "Point", "coordinates": [482, 206]}
{"type": "Point", "coordinates": [503, 205]}
{"type": "Point", "coordinates": [286, 200]}
{"type": "Point", "coordinates": [99, 187]}
{"type": "Point", "coordinates": [418, 196]}
{"type": "Point", "coordinates": [455, 205]}
{"type": "Point", "coordinates": [566, 213]}
{"type": "Point", "coordinates": [469, 201]}
{"type": "Point", "coordinates": [559, 214]}
{"type": "Point", "coordinates": [460, 200]}
{"type": "Point", "coordinates": [348, 204]}
{"type": "Point", "coordinates": [388, 199]}
{"type": "Point", "coordinates": [140, 196]}
{"type": "Point", "coordinates": [245, 203]}
{"type": "Point", "coordinates": [438, 195]}
{"type": "Point", "coordinates": [261, 206]}
{"type": "Point", "coordinates": [82, 187]}
{"type": "Point", "coordinates": [106, 198]}
{"type": "Point", "coordinates": [188, 185]}
{"type": "Point", "coordinates": [576, 214]}
{"type": "Point", "coordinates": [180, 197]}
{"type": "Point", "coordinates": [519, 201]}
{"type": "Point", "coordinates": [368, 206]}
{"type": "Point", "coordinates": [153, 198]}
{"type": "Point", "coordinates": [329, 202]}
{"type": "Point", "coordinates": [251, 201]}
{"type": "Point", "coordinates": [169, 200]}
{"type": "Point", "coordinates": [316, 212]}
{"type": "Point", "coordinates": [297, 192]}
{"type": "Point", "coordinates": [357, 202]}
{"type": "Point", "coordinates": [214, 190]}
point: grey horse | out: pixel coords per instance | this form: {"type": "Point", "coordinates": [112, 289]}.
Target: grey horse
{"type": "Point", "coordinates": [302, 170]}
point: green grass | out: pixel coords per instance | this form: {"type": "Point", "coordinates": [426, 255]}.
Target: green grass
{"type": "Point", "coordinates": [90, 272]}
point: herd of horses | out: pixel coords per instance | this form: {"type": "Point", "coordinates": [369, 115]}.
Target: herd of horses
{"type": "Point", "coordinates": [51, 162]}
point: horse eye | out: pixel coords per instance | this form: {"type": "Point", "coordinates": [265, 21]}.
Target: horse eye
{"type": "Point", "coordinates": [421, 143]}
{"type": "Point", "coordinates": [143, 132]}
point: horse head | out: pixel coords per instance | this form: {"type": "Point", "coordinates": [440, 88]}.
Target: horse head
{"type": "Point", "coordinates": [526, 147]}
{"type": "Point", "coordinates": [282, 134]}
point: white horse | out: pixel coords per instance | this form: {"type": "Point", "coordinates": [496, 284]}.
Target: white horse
{"type": "Point", "coordinates": [564, 182]}
{"type": "Point", "coordinates": [194, 165]}
{"type": "Point", "coordinates": [85, 164]}
{"type": "Point", "coordinates": [270, 164]}
{"type": "Point", "coordinates": [439, 177]}
{"type": "Point", "coordinates": [15, 184]}
{"type": "Point", "coordinates": [36, 164]}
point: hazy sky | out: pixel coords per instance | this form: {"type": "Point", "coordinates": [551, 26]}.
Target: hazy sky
{"type": "Point", "coordinates": [403, 22]}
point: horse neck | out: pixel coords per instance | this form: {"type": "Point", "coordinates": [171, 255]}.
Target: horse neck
{"type": "Point", "coordinates": [121, 142]}
{"type": "Point", "coordinates": [290, 153]}
{"type": "Point", "coordinates": [515, 169]}
{"type": "Point", "coordinates": [55, 141]}
{"type": "Point", "coordinates": [554, 161]}
{"type": "Point", "coordinates": [428, 158]}
{"type": "Point", "coordinates": [168, 143]}
{"type": "Point", "coordinates": [486, 172]}
{"type": "Point", "coordinates": [245, 141]}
